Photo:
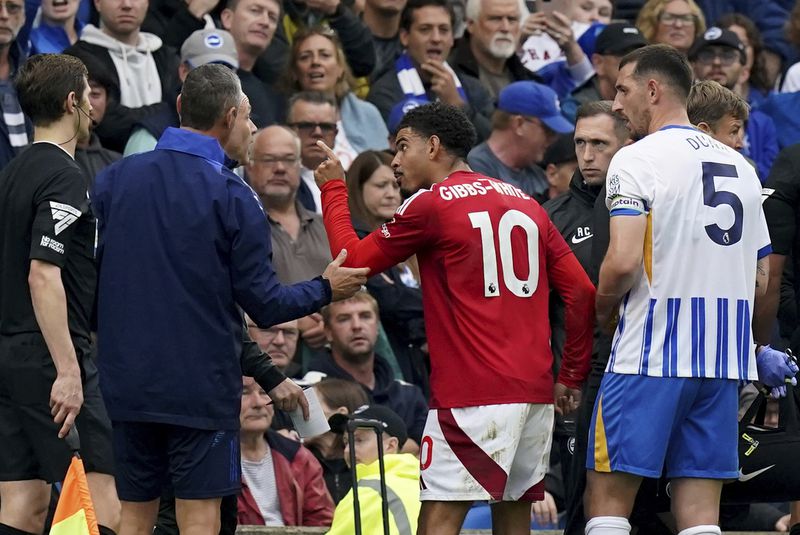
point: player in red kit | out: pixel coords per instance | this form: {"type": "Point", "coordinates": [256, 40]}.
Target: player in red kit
{"type": "Point", "coordinates": [488, 256]}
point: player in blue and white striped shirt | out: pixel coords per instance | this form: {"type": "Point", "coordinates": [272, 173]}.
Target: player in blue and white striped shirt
{"type": "Point", "coordinates": [688, 242]}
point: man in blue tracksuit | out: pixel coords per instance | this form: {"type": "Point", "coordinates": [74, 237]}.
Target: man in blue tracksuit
{"type": "Point", "coordinates": [183, 244]}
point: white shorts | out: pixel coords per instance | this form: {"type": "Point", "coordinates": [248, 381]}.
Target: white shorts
{"type": "Point", "coordinates": [489, 452]}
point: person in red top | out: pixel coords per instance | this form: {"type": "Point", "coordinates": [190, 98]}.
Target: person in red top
{"type": "Point", "coordinates": [488, 255]}
{"type": "Point", "coordinates": [282, 482]}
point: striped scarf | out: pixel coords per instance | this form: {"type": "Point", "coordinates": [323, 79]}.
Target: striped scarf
{"type": "Point", "coordinates": [14, 120]}
{"type": "Point", "coordinates": [411, 83]}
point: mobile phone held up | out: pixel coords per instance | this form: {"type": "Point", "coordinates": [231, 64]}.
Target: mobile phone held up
{"type": "Point", "coordinates": [548, 6]}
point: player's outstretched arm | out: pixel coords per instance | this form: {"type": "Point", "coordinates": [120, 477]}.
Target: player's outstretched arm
{"type": "Point", "coordinates": [329, 176]}
{"type": "Point", "coordinates": [344, 281]}
{"type": "Point", "coordinates": [576, 290]}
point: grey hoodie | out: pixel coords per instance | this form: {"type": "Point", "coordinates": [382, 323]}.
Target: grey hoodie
{"type": "Point", "coordinates": [139, 82]}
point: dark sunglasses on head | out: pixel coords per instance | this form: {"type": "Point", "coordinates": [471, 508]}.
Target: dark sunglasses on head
{"type": "Point", "coordinates": [308, 127]}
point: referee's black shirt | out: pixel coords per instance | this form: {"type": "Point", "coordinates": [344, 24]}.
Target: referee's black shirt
{"type": "Point", "coordinates": [45, 215]}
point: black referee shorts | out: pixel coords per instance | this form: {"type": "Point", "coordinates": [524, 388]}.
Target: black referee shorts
{"type": "Point", "coordinates": [31, 448]}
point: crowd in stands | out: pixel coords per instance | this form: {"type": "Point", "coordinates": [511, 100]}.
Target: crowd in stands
{"type": "Point", "coordinates": [345, 72]}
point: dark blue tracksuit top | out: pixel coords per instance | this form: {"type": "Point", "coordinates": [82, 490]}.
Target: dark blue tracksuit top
{"type": "Point", "coordinates": [182, 242]}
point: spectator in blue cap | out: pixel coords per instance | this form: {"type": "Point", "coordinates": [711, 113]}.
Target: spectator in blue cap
{"type": "Point", "coordinates": [396, 115]}
{"type": "Point", "coordinates": [526, 122]}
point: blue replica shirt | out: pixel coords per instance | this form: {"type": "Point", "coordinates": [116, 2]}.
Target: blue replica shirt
{"type": "Point", "coordinates": [182, 242]}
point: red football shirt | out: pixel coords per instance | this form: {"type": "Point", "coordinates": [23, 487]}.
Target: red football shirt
{"type": "Point", "coordinates": [487, 254]}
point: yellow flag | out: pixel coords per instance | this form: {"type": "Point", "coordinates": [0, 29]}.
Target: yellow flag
{"type": "Point", "coordinates": [74, 512]}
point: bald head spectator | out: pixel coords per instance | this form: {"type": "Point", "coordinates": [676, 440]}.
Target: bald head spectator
{"type": "Point", "coordinates": [203, 46]}
{"type": "Point", "coordinates": [300, 247]}
{"type": "Point", "coordinates": [527, 121]}
{"type": "Point", "coordinates": [613, 42]}
{"type": "Point", "coordinates": [144, 70]}
{"type": "Point", "coordinates": [488, 48]}
{"type": "Point", "coordinates": [253, 24]}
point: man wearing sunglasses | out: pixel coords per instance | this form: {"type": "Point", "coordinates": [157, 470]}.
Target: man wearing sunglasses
{"type": "Point", "coordinates": [312, 115]}
{"type": "Point", "coordinates": [719, 55]}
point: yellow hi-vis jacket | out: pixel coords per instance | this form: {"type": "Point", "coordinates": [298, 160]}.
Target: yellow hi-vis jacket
{"type": "Point", "coordinates": [402, 492]}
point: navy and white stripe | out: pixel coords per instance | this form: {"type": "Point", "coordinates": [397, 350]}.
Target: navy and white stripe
{"type": "Point", "coordinates": [685, 337]}
{"type": "Point", "coordinates": [721, 369]}
{"type": "Point", "coordinates": [742, 336]}
{"type": "Point", "coordinates": [698, 336]}
{"type": "Point", "coordinates": [690, 315]}
{"type": "Point", "coordinates": [15, 121]}
{"type": "Point", "coordinates": [647, 339]}
{"type": "Point", "coordinates": [669, 358]}
{"type": "Point", "coordinates": [620, 330]}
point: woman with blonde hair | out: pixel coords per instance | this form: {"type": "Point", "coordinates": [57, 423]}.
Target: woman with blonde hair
{"type": "Point", "coordinates": [317, 63]}
{"type": "Point", "coordinates": [671, 22]}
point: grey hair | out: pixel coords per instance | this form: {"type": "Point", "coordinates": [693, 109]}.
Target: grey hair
{"type": "Point", "coordinates": [208, 92]}
{"type": "Point", "coordinates": [473, 10]}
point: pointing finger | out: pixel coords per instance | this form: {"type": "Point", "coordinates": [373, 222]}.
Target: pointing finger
{"type": "Point", "coordinates": [339, 260]}
{"type": "Point", "coordinates": [329, 151]}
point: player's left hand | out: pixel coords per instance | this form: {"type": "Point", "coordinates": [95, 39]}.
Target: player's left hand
{"type": "Point", "coordinates": [287, 396]}
{"type": "Point", "coordinates": [776, 369]}
{"type": "Point", "coordinates": [566, 399]}
{"type": "Point", "coordinates": [330, 169]}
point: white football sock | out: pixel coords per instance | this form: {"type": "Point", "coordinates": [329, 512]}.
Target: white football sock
{"type": "Point", "coordinates": [702, 530]}
{"type": "Point", "coordinates": [608, 525]}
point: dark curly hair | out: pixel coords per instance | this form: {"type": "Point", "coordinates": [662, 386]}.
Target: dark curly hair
{"type": "Point", "coordinates": [449, 123]}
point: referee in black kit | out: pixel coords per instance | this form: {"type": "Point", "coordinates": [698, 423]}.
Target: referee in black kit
{"type": "Point", "coordinates": [48, 380]}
